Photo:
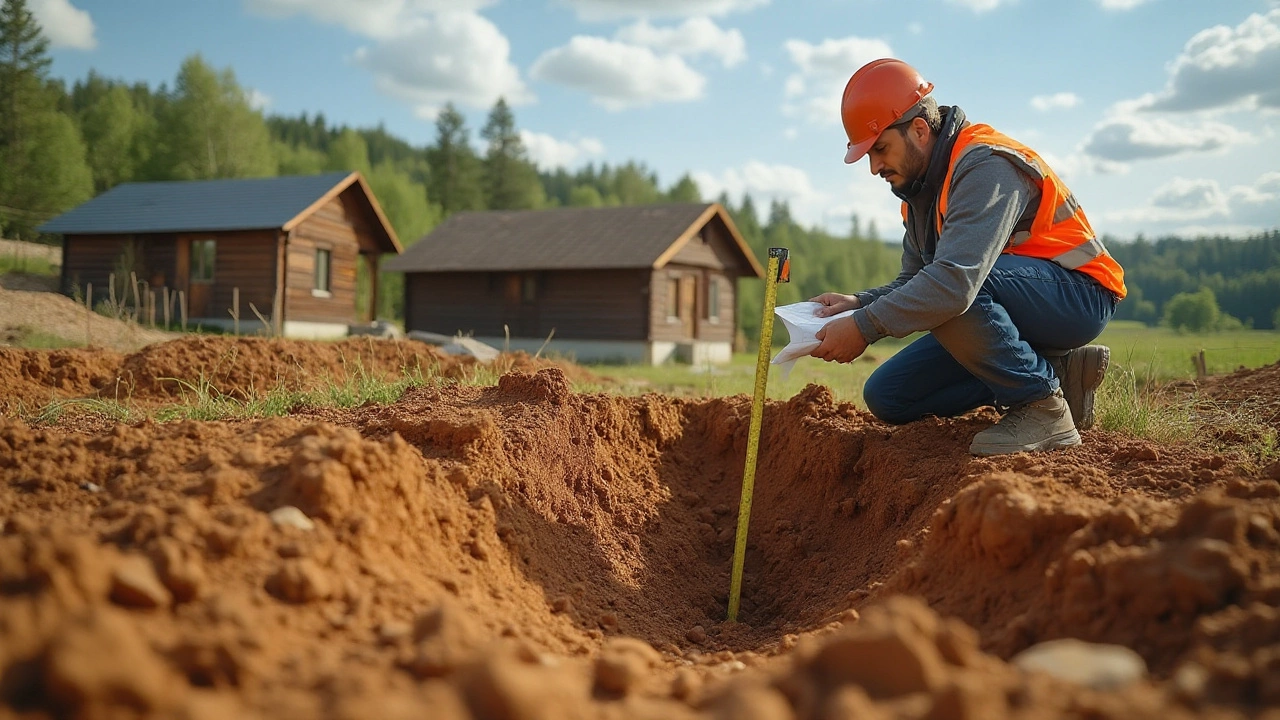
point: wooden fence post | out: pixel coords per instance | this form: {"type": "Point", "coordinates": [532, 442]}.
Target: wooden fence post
{"type": "Point", "coordinates": [88, 317]}
{"type": "Point", "coordinates": [1197, 361]}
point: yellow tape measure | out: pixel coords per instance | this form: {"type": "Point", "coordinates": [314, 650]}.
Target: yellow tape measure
{"type": "Point", "coordinates": [779, 271]}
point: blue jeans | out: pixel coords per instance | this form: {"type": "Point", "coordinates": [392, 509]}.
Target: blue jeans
{"type": "Point", "coordinates": [993, 353]}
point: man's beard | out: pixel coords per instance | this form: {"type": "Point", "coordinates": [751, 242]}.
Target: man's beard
{"type": "Point", "coordinates": [914, 166]}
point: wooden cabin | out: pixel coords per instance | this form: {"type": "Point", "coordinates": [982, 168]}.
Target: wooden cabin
{"type": "Point", "coordinates": [633, 284]}
{"type": "Point", "coordinates": [283, 247]}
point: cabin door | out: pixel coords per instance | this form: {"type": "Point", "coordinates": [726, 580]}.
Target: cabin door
{"type": "Point", "coordinates": [689, 305]}
{"type": "Point", "coordinates": [203, 259]}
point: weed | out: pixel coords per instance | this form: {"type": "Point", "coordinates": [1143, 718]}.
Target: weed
{"type": "Point", "coordinates": [1131, 407]}
{"type": "Point", "coordinates": [55, 410]}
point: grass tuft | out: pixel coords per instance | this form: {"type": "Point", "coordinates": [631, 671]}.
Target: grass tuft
{"type": "Point", "coordinates": [1129, 406]}
{"type": "Point", "coordinates": [54, 411]}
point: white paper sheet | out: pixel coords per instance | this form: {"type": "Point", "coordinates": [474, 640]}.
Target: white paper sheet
{"type": "Point", "coordinates": [802, 327]}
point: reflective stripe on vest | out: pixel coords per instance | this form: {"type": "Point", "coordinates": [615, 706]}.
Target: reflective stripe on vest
{"type": "Point", "coordinates": [1060, 231]}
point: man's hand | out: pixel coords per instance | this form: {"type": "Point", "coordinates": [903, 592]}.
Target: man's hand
{"type": "Point", "coordinates": [834, 303]}
{"type": "Point", "coordinates": [842, 341]}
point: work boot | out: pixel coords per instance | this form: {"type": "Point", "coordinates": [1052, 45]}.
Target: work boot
{"type": "Point", "coordinates": [1080, 373]}
{"type": "Point", "coordinates": [1041, 425]}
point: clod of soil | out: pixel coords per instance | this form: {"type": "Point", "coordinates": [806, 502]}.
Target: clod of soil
{"type": "Point", "coordinates": [525, 551]}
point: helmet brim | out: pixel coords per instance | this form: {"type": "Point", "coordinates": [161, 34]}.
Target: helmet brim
{"type": "Point", "coordinates": [856, 152]}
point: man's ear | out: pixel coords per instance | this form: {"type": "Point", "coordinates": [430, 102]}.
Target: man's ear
{"type": "Point", "coordinates": [920, 131]}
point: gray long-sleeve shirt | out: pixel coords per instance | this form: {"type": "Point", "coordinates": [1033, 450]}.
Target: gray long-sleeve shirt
{"type": "Point", "coordinates": [942, 272]}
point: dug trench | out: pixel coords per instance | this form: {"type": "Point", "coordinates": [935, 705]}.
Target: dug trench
{"type": "Point", "coordinates": [526, 551]}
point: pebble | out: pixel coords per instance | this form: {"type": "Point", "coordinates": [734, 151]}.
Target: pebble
{"type": "Point", "coordinates": [392, 631]}
{"type": "Point", "coordinates": [696, 635]}
{"type": "Point", "coordinates": [290, 516]}
{"type": "Point", "coordinates": [300, 581]}
{"type": "Point", "coordinates": [624, 663]}
{"type": "Point", "coordinates": [134, 584]}
{"type": "Point", "coordinates": [1096, 666]}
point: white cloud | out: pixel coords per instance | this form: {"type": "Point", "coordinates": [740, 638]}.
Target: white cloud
{"type": "Point", "coordinates": [1125, 139]}
{"type": "Point", "coordinates": [866, 195]}
{"type": "Point", "coordinates": [815, 89]}
{"type": "Point", "coordinates": [426, 52]}
{"type": "Point", "coordinates": [915, 28]}
{"type": "Point", "coordinates": [1242, 209]}
{"type": "Point", "coordinates": [1223, 67]}
{"type": "Point", "coordinates": [1056, 101]}
{"type": "Point", "coordinates": [981, 6]}
{"type": "Point", "coordinates": [450, 57]}
{"type": "Point", "coordinates": [1121, 5]}
{"type": "Point", "coordinates": [695, 36]}
{"type": "Point", "coordinates": [1179, 200]}
{"type": "Point", "coordinates": [1259, 203]}
{"type": "Point", "coordinates": [547, 152]}
{"type": "Point", "coordinates": [258, 100]}
{"type": "Point", "coordinates": [618, 75]}
{"type": "Point", "coordinates": [372, 18]}
{"type": "Point", "coordinates": [1265, 190]}
{"type": "Point", "coordinates": [65, 24]}
{"type": "Point", "coordinates": [616, 9]}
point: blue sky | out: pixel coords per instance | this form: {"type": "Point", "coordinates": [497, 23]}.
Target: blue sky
{"type": "Point", "coordinates": [1162, 115]}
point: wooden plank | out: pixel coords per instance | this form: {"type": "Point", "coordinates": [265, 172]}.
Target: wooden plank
{"type": "Point", "coordinates": [609, 305]}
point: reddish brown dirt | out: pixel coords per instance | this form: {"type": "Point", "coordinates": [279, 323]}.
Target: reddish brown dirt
{"type": "Point", "coordinates": [241, 368]}
{"type": "Point", "coordinates": [524, 551]}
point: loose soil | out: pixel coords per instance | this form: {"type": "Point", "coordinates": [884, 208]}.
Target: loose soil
{"type": "Point", "coordinates": [242, 368]}
{"type": "Point", "coordinates": [525, 551]}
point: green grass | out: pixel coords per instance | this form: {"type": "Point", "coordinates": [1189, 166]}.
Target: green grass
{"type": "Point", "coordinates": [55, 410]}
{"type": "Point", "coordinates": [1152, 356]}
{"type": "Point", "coordinates": [738, 377]}
{"type": "Point", "coordinates": [25, 336]}
{"type": "Point", "coordinates": [1161, 355]}
{"type": "Point", "coordinates": [13, 263]}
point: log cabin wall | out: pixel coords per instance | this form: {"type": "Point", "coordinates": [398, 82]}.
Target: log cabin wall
{"type": "Point", "coordinates": [577, 304]}
{"type": "Point", "coordinates": [341, 227]}
{"type": "Point", "coordinates": [96, 258]}
{"type": "Point", "coordinates": [705, 267]}
{"type": "Point", "coordinates": [244, 260]}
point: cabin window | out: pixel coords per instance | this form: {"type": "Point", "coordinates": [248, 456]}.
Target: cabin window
{"type": "Point", "coordinates": [529, 287]}
{"type": "Point", "coordinates": [323, 265]}
{"type": "Point", "coordinates": [713, 298]}
{"type": "Point", "coordinates": [203, 258]}
{"type": "Point", "coordinates": [673, 297]}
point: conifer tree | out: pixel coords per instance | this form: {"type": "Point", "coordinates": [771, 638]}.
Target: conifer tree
{"type": "Point", "coordinates": [510, 180]}
{"type": "Point", "coordinates": [455, 169]}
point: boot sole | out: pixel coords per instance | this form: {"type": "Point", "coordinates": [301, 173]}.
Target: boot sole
{"type": "Point", "coordinates": [1090, 364]}
{"type": "Point", "coordinates": [1064, 439]}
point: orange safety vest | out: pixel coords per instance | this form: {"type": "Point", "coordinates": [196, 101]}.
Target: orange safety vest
{"type": "Point", "coordinates": [1060, 231]}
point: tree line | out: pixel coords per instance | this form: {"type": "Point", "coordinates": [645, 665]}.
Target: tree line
{"type": "Point", "coordinates": [1228, 282]}
{"type": "Point", "coordinates": [62, 145]}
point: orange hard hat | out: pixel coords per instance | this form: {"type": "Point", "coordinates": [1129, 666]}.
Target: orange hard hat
{"type": "Point", "coordinates": [877, 95]}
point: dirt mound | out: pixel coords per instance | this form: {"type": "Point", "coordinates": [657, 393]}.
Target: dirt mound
{"type": "Point", "coordinates": [239, 367]}
{"type": "Point", "coordinates": [50, 313]}
{"type": "Point", "coordinates": [35, 378]}
{"type": "Point", "coordinates": [523, 551]}
{"type": "Point", "coordinates": [244, 367]}
{"type": "Point", "coordinates": [1253, 391]}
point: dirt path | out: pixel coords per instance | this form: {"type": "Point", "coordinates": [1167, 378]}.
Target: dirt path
{"type": "Point", "coordinates": [524, 551]}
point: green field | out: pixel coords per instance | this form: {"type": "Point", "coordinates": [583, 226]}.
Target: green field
{"type": "Point", "coordinates": [1153, 355]}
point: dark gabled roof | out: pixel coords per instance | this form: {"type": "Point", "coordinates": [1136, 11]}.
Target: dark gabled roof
{"type": "Point", "coordinates": [638, 236]}
{"type": "Point", "coordinates": [212, 206]}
